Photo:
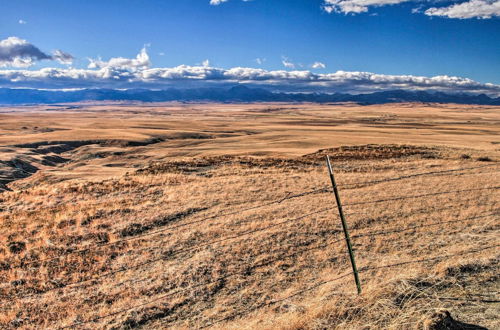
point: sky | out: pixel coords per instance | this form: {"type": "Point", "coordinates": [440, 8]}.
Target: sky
{"type": "Point", "coordinates": [291, 45]}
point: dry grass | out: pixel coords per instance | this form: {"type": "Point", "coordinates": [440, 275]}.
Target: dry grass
{"type": "Point", "coordinates": [223, 241]}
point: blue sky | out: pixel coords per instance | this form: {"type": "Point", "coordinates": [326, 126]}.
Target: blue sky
{"type": "Point", "coordinates": [380, 37]}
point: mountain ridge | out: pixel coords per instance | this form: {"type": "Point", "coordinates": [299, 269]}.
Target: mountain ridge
{"type": "Point", "coordinates": [236, 94]}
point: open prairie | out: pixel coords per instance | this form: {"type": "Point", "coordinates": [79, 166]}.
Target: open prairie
{"type": "Point", "coordinates": [222, 215]}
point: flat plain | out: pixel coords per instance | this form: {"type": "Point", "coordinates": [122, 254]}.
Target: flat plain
{"type": "Point", "coordinates": [221, 215]}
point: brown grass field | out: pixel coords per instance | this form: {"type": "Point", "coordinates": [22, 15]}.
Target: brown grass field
{"type": "Point", "coordinates": [221, 216]}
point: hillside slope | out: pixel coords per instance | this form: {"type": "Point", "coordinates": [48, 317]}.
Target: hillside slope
{"type": "Point", "coordinates": [246, 242]}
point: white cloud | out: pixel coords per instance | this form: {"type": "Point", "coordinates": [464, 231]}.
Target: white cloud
{"type": "Point", "coordinates": [287, 63]}
{"type": "Point", "coordinates": [203, 76]}
{"type": "Point", "coordinates": [137, 72]}
{"type": "Point", "coordinates": [470, 9]}
{"type": "Point", "coordinates": [356, 6]}
{"type": "Point", "coordinates": [216, 2]}
{"type": "Point", "coordinates": [21, 21]}
{"type": "Point", "coordinates": [141, 61]}
{"type": "Point", "coordinates": [318, 65]}
{"type": "Point", "coordinates": [205, 63]}
{"type": "Point", "coordinates": [63, 57]}
{"type": "Point", "coordinates": [16, 52]}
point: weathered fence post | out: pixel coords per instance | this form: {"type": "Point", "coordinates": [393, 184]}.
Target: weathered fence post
{"type": "Point", "coordinates": [344, 225]}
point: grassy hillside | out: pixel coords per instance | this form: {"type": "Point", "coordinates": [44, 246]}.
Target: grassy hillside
{"type": "Point", "coordinates": [256, 242]}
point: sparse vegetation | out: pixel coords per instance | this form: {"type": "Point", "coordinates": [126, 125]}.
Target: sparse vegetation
{"type": "Point", "coordinates": [231, 240]}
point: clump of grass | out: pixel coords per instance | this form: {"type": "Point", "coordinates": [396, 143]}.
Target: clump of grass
{"type": "Point", "coordinates": [16, 247]}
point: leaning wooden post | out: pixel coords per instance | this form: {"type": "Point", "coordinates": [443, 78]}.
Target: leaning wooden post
{"type": "Point", "coordinates": [344, 225]}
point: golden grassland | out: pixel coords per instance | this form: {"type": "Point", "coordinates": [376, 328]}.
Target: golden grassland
{"type": "Point", "coordinates": [194, 216]}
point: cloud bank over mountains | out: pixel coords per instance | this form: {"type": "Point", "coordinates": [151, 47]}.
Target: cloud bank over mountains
{"type": "Point", "coordinates": [127, 73]}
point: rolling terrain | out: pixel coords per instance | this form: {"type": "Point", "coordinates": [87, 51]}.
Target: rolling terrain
{"type": "Point", "coordinates": [181, 216]}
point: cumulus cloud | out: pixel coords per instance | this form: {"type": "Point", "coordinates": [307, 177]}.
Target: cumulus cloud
{"type": "Point", "coordinates": [461, 10]}
{"type": "Point", "coordinates": [318, 65]}
{"type": "Point", "coordinates": [137, 72]}
{"type": "Point", "coordinates": [16, 52]}
{"type": "Point", "coordinates": [62, 57]}
{"type": "Point", "coordinates": [203, 76]}
{"type": "Point", "coordinates": [141, 61]}
{"type": "Point", "coordinates": [356, 6]}
{"type": "Point", "coordinates": [216, 2]}
{"type": "Point", "coordinates": [470, 9]}
{"type": "Point", "coordinates": [19, 53]}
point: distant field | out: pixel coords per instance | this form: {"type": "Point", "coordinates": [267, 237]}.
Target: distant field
{"type": "Point", "coordinates": [220, 215]}
{"type": "Point", "coordinates": [104, 140]}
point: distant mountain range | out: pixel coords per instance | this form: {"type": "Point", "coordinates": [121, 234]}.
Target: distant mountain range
{"type": "Point", "coordinates": [235, 94]}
